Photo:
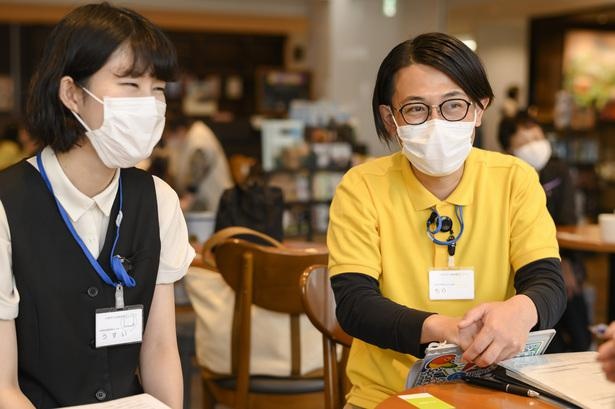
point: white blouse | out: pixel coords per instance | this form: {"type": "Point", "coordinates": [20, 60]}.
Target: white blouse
{"type": "Point", "coordinates": [90, 218]}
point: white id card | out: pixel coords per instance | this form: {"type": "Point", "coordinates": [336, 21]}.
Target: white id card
{"type": "Point", "coordinates": [451, 284]}
{"type": "Point", "coordinates": [119, 326]}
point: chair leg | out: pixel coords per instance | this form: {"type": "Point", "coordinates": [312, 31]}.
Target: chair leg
{"type": "Point", "coordinates": [209, 401]}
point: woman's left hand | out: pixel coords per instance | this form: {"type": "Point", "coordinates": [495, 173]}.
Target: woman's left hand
{"type": "Point", "coordinates": [504, 331]}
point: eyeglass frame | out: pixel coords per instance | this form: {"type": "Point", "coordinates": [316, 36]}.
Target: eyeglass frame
{"type": "Point", "coordinates": [439, 107]}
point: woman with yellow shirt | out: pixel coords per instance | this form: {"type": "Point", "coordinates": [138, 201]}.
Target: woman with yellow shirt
{"type": "Point", "coordinates": [440, 241]}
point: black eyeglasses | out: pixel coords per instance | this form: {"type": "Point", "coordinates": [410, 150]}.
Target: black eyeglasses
{"type": "Point", "coordinates": [452, 110]}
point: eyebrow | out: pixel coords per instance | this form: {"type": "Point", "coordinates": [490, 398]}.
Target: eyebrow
{"type": "Point", "coordinates": [450, 94]}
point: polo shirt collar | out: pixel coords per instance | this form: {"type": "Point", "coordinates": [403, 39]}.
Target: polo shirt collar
{"type": "Point", "coordinates": [72, 199]}
{"type": "Point", "coordinates": [422, 198]}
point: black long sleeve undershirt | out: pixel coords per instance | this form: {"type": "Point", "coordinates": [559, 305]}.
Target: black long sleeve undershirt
{"type": "Point", "coordinates": [364, 313]}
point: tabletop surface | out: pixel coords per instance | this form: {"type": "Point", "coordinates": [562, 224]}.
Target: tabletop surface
{"type": "Point", "coordinates": [584, 237]}
{"type": "Point", "coordinates": [462, 395]}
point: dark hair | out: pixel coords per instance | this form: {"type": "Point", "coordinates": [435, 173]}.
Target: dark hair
{"type": "Point", "coordinates": [512, 92]}
{"type": "Point", "coordinates": [440, 51]}
{"type": "Point", "coordinates": [78, 46]}
{"type": "Point", "coordinates": [509, 126]}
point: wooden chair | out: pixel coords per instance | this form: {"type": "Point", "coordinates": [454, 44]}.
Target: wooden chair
{"type": "Point", "coordinates": [319, 304]}
{"type": "Point", "coordinates": [267, 277]}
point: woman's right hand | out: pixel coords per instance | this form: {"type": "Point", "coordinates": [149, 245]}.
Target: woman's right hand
{"type": "Point", "coordinates": [606, 353]}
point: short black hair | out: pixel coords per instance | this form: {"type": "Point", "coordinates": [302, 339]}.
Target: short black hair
{"type": "Point", "coordinates": [509, 126]}
{"type": "Point", "coordinates": [440, 51]}
{"type": "Point", "coordinates": [512, 92]}
{"type": "Point", "coordinates": [78, 46]}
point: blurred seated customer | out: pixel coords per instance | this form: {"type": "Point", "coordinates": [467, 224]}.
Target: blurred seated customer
{"type": "Point", "coordinates": [29, 145]}
{"type": "Point", "coordinates": [523, 137]}
{"type": "Point", "coordinates": [10, 148]}
{"type": "Point", "coordinates": [158, 163]}
{"type": "Point", "coordinates": [251, 202]}
{"type": "Point", "coordinates": [198, 167]}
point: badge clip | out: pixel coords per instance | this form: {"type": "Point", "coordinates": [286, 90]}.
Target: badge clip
{"type": "Point", "coordinates": [119, 296]}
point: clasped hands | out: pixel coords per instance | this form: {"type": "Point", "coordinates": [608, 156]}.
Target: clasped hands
{"type": "Point", "coordinates": [488, 333]}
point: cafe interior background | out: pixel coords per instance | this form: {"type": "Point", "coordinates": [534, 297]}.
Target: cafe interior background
{"type": "Point", "coordinates": [266, 74]}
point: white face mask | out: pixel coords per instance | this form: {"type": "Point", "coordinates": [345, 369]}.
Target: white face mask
{"type": "Point", "coordinates": [131, 128]}
{"type": "Point", "coordinates": [536, 153]}
{"type": "Point", "coordinates": [437, 147]}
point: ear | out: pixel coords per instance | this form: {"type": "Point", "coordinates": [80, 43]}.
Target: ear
{"type": "Point", "coordinates": [70, 94]}
{"type": "Point", "coordinates": [386, 114]}
{"type": "Point", "coordinates": [480, 112]}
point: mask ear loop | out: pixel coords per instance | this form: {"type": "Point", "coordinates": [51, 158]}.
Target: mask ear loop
{"type": "Point", "coordinates": [87, 91]}
{"type": "Point", "coordinates": [76, 115]}
{"type": "Point", "coordinates": [397, 138]}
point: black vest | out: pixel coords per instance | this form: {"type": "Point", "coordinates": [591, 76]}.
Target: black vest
{"type": "Point", "coordinates": [60, 291]}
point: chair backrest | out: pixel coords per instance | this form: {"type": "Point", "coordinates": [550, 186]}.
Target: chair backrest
{"type": "Point", "coordinates": [319, 304]}
{"type": "Point", "coordinates": [207, 258]}
{"type": "Point", "coordinates": [275, 270]}
{"type": "Point", "coordinates": [269, 278]}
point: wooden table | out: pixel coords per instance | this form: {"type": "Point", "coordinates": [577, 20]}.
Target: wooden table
{"type": "Point", "coordinates": [462, 395]}
{"type": "Point", "coordinates": [587, 238]}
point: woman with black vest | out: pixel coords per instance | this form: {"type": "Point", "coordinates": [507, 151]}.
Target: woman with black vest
{"type": "Point", "coordinates": [90, 246]}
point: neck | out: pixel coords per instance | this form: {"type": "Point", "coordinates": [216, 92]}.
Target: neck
{"type": "Point", "coordinates": [440, 186]}
{"type": "Point", "coordinates": [85, 170]}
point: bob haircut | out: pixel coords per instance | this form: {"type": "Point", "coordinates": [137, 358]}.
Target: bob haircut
{"type": "Point", "coordinates": [78, 46]}
{"type": "Point", "coordinates": [509, 126]}
{"type": "Point", "coordinates": [446, 54]}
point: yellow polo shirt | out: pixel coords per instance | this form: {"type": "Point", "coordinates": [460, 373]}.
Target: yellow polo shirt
{"type": "Point", "coordinates": [377, 227]}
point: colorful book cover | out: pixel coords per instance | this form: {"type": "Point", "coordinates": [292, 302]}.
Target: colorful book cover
{"type": "Point", "coordinates": [443, 362]}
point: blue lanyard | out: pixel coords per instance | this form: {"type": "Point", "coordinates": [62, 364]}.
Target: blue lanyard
{"type": "Point", "coordinates": [452, 241]}
{"type": "Point", "coordinates": [115, 261]}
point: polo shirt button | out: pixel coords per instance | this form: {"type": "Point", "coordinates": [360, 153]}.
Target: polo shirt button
{"type": "Point", "coordinates": [92, 292]}
{"type": "Point", "coordinates": [101, 395]}
{"type": "Point", "coordinates": [92, 344]}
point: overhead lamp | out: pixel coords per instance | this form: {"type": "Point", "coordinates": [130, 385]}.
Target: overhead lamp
{"type": "Point", "coordinates": [389, 8]}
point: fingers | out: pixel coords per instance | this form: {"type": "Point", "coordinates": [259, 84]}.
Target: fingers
{"type": "Point", "coordinates": [606, 357]}
{"type": "Point", "coordinates": [495, 352]}
{"type": "Point", "coordinates": [475, 315]}
{"type": "Point", "coordinates": [606, 351]}
{"type": "Point", "coordinates": [610, 331]}
{"type": "Point", "coordinates": [467, 335]}
{"type": "Point", "coordinates": [480, 344]}
{"type": "Point", "coordinates": [490, 347]}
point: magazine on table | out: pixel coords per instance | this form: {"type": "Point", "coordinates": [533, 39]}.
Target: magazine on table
{"type": "Point", "coordinates": [443, 361]}
{"type": "Point", "coordinates": [573, 377]}
{"type": "Point", "coordinates": [142, 401]}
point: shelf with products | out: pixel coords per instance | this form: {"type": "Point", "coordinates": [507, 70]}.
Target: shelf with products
{"type": "Point", "coordinates": [307, 170]}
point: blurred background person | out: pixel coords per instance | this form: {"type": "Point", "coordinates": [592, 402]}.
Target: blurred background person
{"type": "Point", "coordinates": [251, 202]}
{"type": "Point", "coordinates": [29, 146]}
{"type": "Point", "coordinates": [197, 165]}
{"type": "Point", "coordinates": [510, 105]}
{"type": "Point", "coordinates": [523, 137]}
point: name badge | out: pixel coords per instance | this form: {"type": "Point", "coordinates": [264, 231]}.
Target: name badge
{"type": "Point", "coordinates": [119, 326]}
{"type": "Point", "coordinates": [451, 284]}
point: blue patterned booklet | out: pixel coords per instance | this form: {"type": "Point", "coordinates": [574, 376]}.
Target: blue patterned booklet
{"type": "Point", "coordinates": [442, 361]}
